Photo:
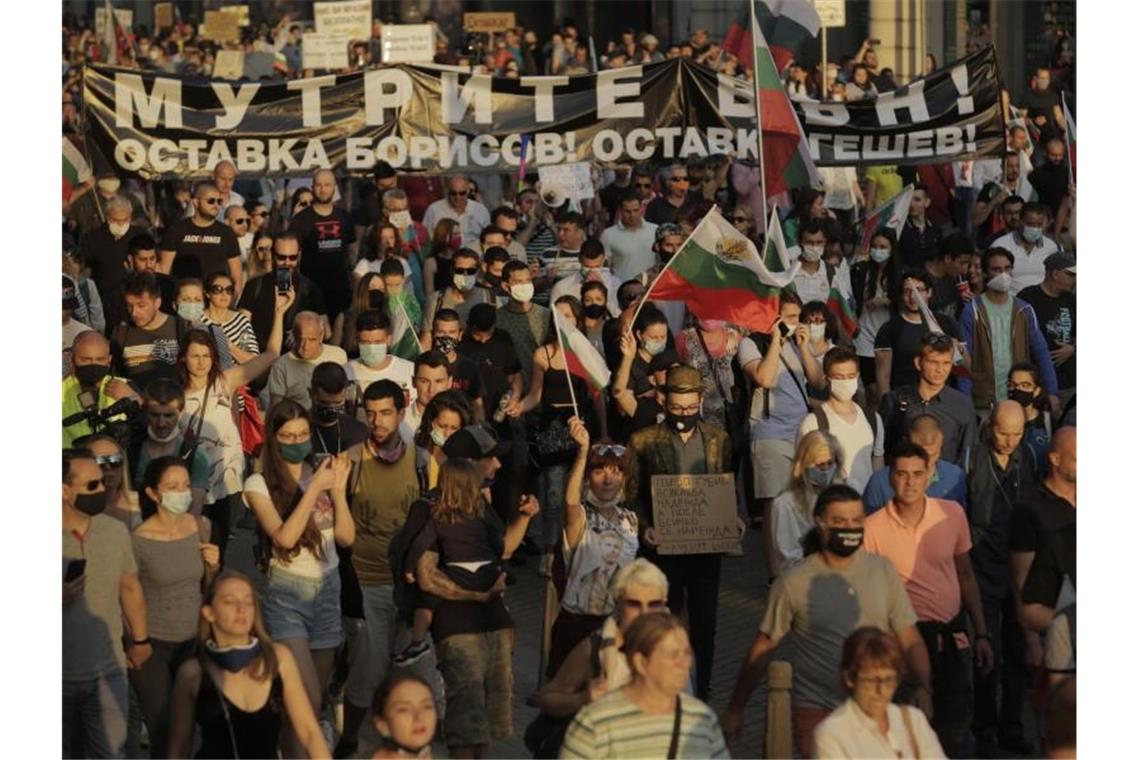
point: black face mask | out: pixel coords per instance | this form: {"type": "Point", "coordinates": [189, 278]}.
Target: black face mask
{"type": "Point", "coordinates": [682, 423]}
{"type": "Point", "coordinates": [595, 311]}
{"type": "Point", "coordinates": [844, 542]}
{"type": "Point", "coordinates": [494, 281]}
{"type": "Point", "coordinates": [91, 503]}
{"type": "Point", "coordinates": [90, 375]}
{"type": "Point", "coordinates": [376, 299]}
{"type": "Point", "coordinates": [444, 343]}
{"type": "Point", "coordinates": [328, 415]}
{"type": "Point", "coordinates": [1023, 397]}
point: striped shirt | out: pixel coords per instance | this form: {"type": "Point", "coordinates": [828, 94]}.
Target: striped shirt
{"type": "Point", "coordinates": [615, 727]}
{"type": "Point", "coordinates": [238, 331]}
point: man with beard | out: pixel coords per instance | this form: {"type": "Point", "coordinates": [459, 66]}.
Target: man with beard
{"type": "Point", "coordinates": [1051, 179]}
{"type": "Point", "coordinates": [201, 245]}
{"type": "Point", "coordinates": [326, 233]}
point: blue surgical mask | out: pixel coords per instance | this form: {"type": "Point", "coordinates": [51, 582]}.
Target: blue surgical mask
{"type": "Point", "coordinates": [295, 453]}
{"type": "Point", "coordinates": [1032, 234]}
{"type": "Point", "coordinates": [820, 478]}
{"type": "Point", "coordinates": [654, 347]}
{"type": "Point", "coordinates": [236, 658]}
{"type": "Point", "coordinates": [879, 255]}
{"type": "Point", "coordinates": [373, 353]}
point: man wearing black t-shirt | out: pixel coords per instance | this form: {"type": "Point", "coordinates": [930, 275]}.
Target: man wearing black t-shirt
{"type": "Point", "coordinates": [259, 298]}
{"type": "Point", "coordinates": [1042, 106]}
{"type": "Point", "coordinates": [201, 245]}
{"type": "Point", "coordinates": [326, 232]}
{"type": "Point", "coordinates": [105, 249]}
{"type": "Point", "coordinates": [1056, 308]}
{"type": "Point", "coordinates": [898, 341]}
{"type": "Point", "coordinates": [465, 376]}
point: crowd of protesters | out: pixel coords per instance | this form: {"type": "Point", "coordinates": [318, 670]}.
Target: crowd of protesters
{"type": "Point", "coordinates": [280, 535]}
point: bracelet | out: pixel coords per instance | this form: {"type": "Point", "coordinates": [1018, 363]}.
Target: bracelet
{"type": "Point", "coordinates": [140, 642]}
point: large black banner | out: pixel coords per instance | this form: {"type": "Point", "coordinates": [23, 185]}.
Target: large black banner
{"type": "Point", "coordinates": [422, 118]}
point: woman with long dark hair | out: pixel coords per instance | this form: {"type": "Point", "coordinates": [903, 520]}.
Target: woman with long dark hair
{"type": "Point", "coordinates": [209, 421]}
{"type": "Point", "coordinates": [445, 414]}
{"type": "Point", "coordinates": [220, 297]}
{"type": "Point", "coordinates": [874, 280]}
{"type": "Point", "coordinates": [302, 510]}
{"type": "Point", "coordinates": [370, 294]}
{"type": "Point", "coordinates": [242, 685]}
{"type": "Point", "coordinates": [445, 241]}
{"type": "Point", "coordinates": [383, 243]}
{"type": "Point", "coordinates": [809, 205]}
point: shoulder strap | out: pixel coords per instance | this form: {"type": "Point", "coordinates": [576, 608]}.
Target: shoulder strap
{"type": "Point", "coordinates": [675, 740]}
{"type": "Point", "coordinates": [203, 530]}
{"type": "Point", "coordinates": [909, 729]}
{"type": "Point", "coordinates": [715, 375]}
{"type": "Point", "coordinates": [795, 379]}
{"type": "Point", "coordinates": [821, 420]}
{"type": "Point", "coordinates": [873, 421]}
{"type": "Point", "coordinates": [830, 269]}
{"type": "Point", "coordinates": [596, 654]}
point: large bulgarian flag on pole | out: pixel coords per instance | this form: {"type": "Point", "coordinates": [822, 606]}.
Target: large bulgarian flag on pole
{"type": "Point", "coordinates": [786, 24]}
{"type": "Point", "coordinates": [582, 359]}
{"type": "Point", "coordinates": [76, 170]}
{"type": "Point", "coordinates": [719, 274]}
{"type": "Point", "coordinates": [784, 150]}
{"type": "Point", "coordinates": [891, 215]}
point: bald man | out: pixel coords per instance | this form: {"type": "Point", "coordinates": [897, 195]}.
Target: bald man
{"type": "Point", "coordinates": [239, 221]}
{"type": "Point", "coordinates": [224, 175]}
{"type": "Point", "coordinates": [201, 245]}
{"type": "Point", "coordinates": [1001, 474]}
{"type": "Point", "coordinates": [91, 374]}
{"type": "Point", "coordinates": [291, 375]}
{"type": "Point", "coordinates": [327, 235]}
{"type": "Point", "coordinates": [458, 204]}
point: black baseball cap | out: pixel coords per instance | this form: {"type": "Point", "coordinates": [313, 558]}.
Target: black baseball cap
{"type": "Point", "coordinates": [475, 442]}
{"type": "Point", "coordinates": [1061, 260]}
{"type": "Point", "coordinates": [383, 170]}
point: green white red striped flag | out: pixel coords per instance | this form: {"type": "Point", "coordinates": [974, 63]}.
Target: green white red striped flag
{"type": "Point", "coordinates": [405, 342]}
{"type": "Point", "coordinates": [719, 274]}
{"type": "Point", "coordinates": [839, 299]}
{"type": "Point", "coordinates": [582, 359]}
{"type": "Point", "coordinates": [76, 170]}
{"type": "Point", "coordinates": [784, 151]}
{"type": "Point", "coordinates": [891, 215]}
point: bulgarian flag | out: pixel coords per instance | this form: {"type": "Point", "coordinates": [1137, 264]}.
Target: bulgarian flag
{"type": "Point", "coordinates": [1070, 139]}
{"type": "Point", "coordinates": [405, 342]}
{"type": "Point", "coordinates": [932, 325]}
{"type": "Point", "coordinates": [76, 170]}
{"type": "Point", "coordinates": [783, 148]}
{"type": "Point", "coordinates": [786, 24]}
{"type": "Point", "coordinates": [116, 40]}
{"type": "Point", "coordinates": [839, 299]}
{"type": "Point", "coordinates": [582, 359]}
{"type": "Point", "coordinates": [719, 274]}
{"type": "Point", "coordinates": [891, 215]}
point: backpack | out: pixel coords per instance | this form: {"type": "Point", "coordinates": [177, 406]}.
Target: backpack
{"type": "Point", "coordinates": [824, 425]}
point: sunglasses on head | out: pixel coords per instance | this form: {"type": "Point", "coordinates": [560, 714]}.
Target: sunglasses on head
{"type": "Point", "coordinates": [604, 449]}
{"type": "Point", "coordinates": [219, 289]}
{"type": "Point", "coordinates": [109, 461]}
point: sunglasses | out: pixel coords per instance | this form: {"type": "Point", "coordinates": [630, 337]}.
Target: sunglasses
{"type": "Point", "coordinates": [471, 270]}
{"type": "Point", "coordinates": [279, 257]}
{"type": "Point", "coordinates": [109, 461]}
{"type": "Point", "coordinates": [678, 179]}
{"type": "Point", "coordinates": [241, 221]}
{"type": "Point", "coordinates": [643, 185]}
{"type": "Point", "coordinates": [217, 290]}
{"type": "Point", "coordinates": [212, 201]}
{"type": "Point", "coordinates": [92, 485]}
{"type": "Point", "coordinates": [458, 194]}
{"type": "Point", "coordinates": [603, 449]}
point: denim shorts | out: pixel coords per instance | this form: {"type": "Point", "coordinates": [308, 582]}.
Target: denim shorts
{"type": "Point", "coordinates": [297, 607]}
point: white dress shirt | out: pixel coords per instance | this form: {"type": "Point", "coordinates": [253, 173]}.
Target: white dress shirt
{"type": "Point", "coordinates": [850, 732]}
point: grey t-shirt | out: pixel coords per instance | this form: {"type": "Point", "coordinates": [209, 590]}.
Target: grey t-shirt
{"type": "Point", "coordinates": [93, 623]}
{"type": "Point", "coordinates": [822, 606]}
{"type": "Point", "coordinates": [787, 406]}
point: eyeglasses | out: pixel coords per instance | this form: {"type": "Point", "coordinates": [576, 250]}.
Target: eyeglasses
{"type": "Point", "coordinates": [605, 449]}
{"type": "Point", "coordinates": [674, 409]}
{"type": "Point", "coordinates": [678, 179]}
{"type": "Point", "coordinates": [637, 604]}
{"type": "Point", "coordinates": [217, 290]}
{"type": "Point", "coordinates": [279, 257]}
{"type": "Point", "coordinates": [465, 270]}
{"type": "Point", "coordinates": [212, 201]}
{"type": "Point", "coordinates": [109, 461]}
{"type": "Point", "coordinates": [889, 681]}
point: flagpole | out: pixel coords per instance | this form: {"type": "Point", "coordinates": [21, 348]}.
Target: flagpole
{"type": "Point", "coordinates": [1068, 146]}
{"type": "Point", "coordinates": [560, 331]}
{"type": "Point", "coordinates": [649, 290]}
{"type": "Point", "coordinates": [411, 325]}
{"type": "Point", "coordinates": [756, 96]}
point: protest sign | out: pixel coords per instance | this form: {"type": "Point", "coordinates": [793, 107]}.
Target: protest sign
{"type": "Point", "coordinates": [125, 16]}
{"type": "Point", "coordinates": [259, 64]}
{"type": "Point", "coordinates": [323, 51]}
{"type": "Point", "coordinates": [229, 64]}
{"type": "Point", "coordinates": [407, 43]}
{"type": "Point", "coordinates": [221, 27]}
{"type": "Point", "coordinates": [348, 18]}
{"type": "Point", "coordinates": [488, 22]}
{"type": "Point", "coordinates": [241, 12]}
{"type": "Point", "coordinates": [163, 15]}
{"type": "Point", "coordinates": [430, 119]}
{"type": "Point", "coordinates": [573, 179]}
{"type": "Point", "coordinates": [695, 514]}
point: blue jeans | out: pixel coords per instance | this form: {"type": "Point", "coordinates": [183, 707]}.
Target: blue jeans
{"type": "Point", "coordinates": [97, 707]}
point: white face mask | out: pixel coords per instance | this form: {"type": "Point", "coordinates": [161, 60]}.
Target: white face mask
{"type": "Point", "coordinates": [523, 293]}
{"type": "Point", "coordinates": [1000, 283]}
{"type": "Point", "coordinates": [176, 502]}
{"type": "Point", "coordinates": [438, 437]}
{"type": "Point", "coordinates": [879, 255]}
{"type": "Point", "coordinates": [816, 332]}
{"type": "Point", "coordinates": [118, 229]}
{"type": "Point", "coordinates": [844, 390]}
{"type": "Point", "coordinates": [463, 282]}
{"type": "Point", "coordinates": [191, 311]}
{"type": "Point", "coordinates": [811, 252]}
{"type": "Point", "coordinates": [402, 219]}
{"type": "Point", "coordinates": [373, 353]}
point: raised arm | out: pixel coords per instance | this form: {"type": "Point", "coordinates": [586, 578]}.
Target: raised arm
{"type": "Point", "coordinates": [623, 396]}
{"type": "Point", "coordinates": [248, 371]}
{"type": "Point", "coordinates": [575, 513]}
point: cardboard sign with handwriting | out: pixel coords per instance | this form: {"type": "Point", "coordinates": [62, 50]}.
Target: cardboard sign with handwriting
{"type": "Point", "coordinates": [488, 22]}
{"type": "Point", "coordinates": [695, 514]}
{"type": "Point", "coordinates": [229, 64]}
{"type": "Point", "coordinates": [346, 18]}
{"type": "Point", "coordinates": [323, 51]}
{"type": "Point", "coordinates": [163, 15]}
{"type": "Point", "coordinates": [221, 27]}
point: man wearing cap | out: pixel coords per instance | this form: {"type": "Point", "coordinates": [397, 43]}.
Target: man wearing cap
{"type": "Point", "coordinates": [629, 243]}
{"type": "Point", "coordinates": [681, 445]}
{"type": "Point", "coordinates": [1055, 305]}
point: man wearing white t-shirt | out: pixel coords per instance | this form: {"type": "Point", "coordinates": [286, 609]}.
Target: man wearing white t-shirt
{"type": "Point", "coordinates": [629, 243]}
{"type": "Point", "coordinates": [470, 213]}
{"type": "Point", "coordinates": [373, 339]}
{"type": "Point", "coordinates": [860, 439]}
{"type": "Point", "coordinates": [1029, 246]}
{"type": "Point", "coordinates": [430, 377]}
